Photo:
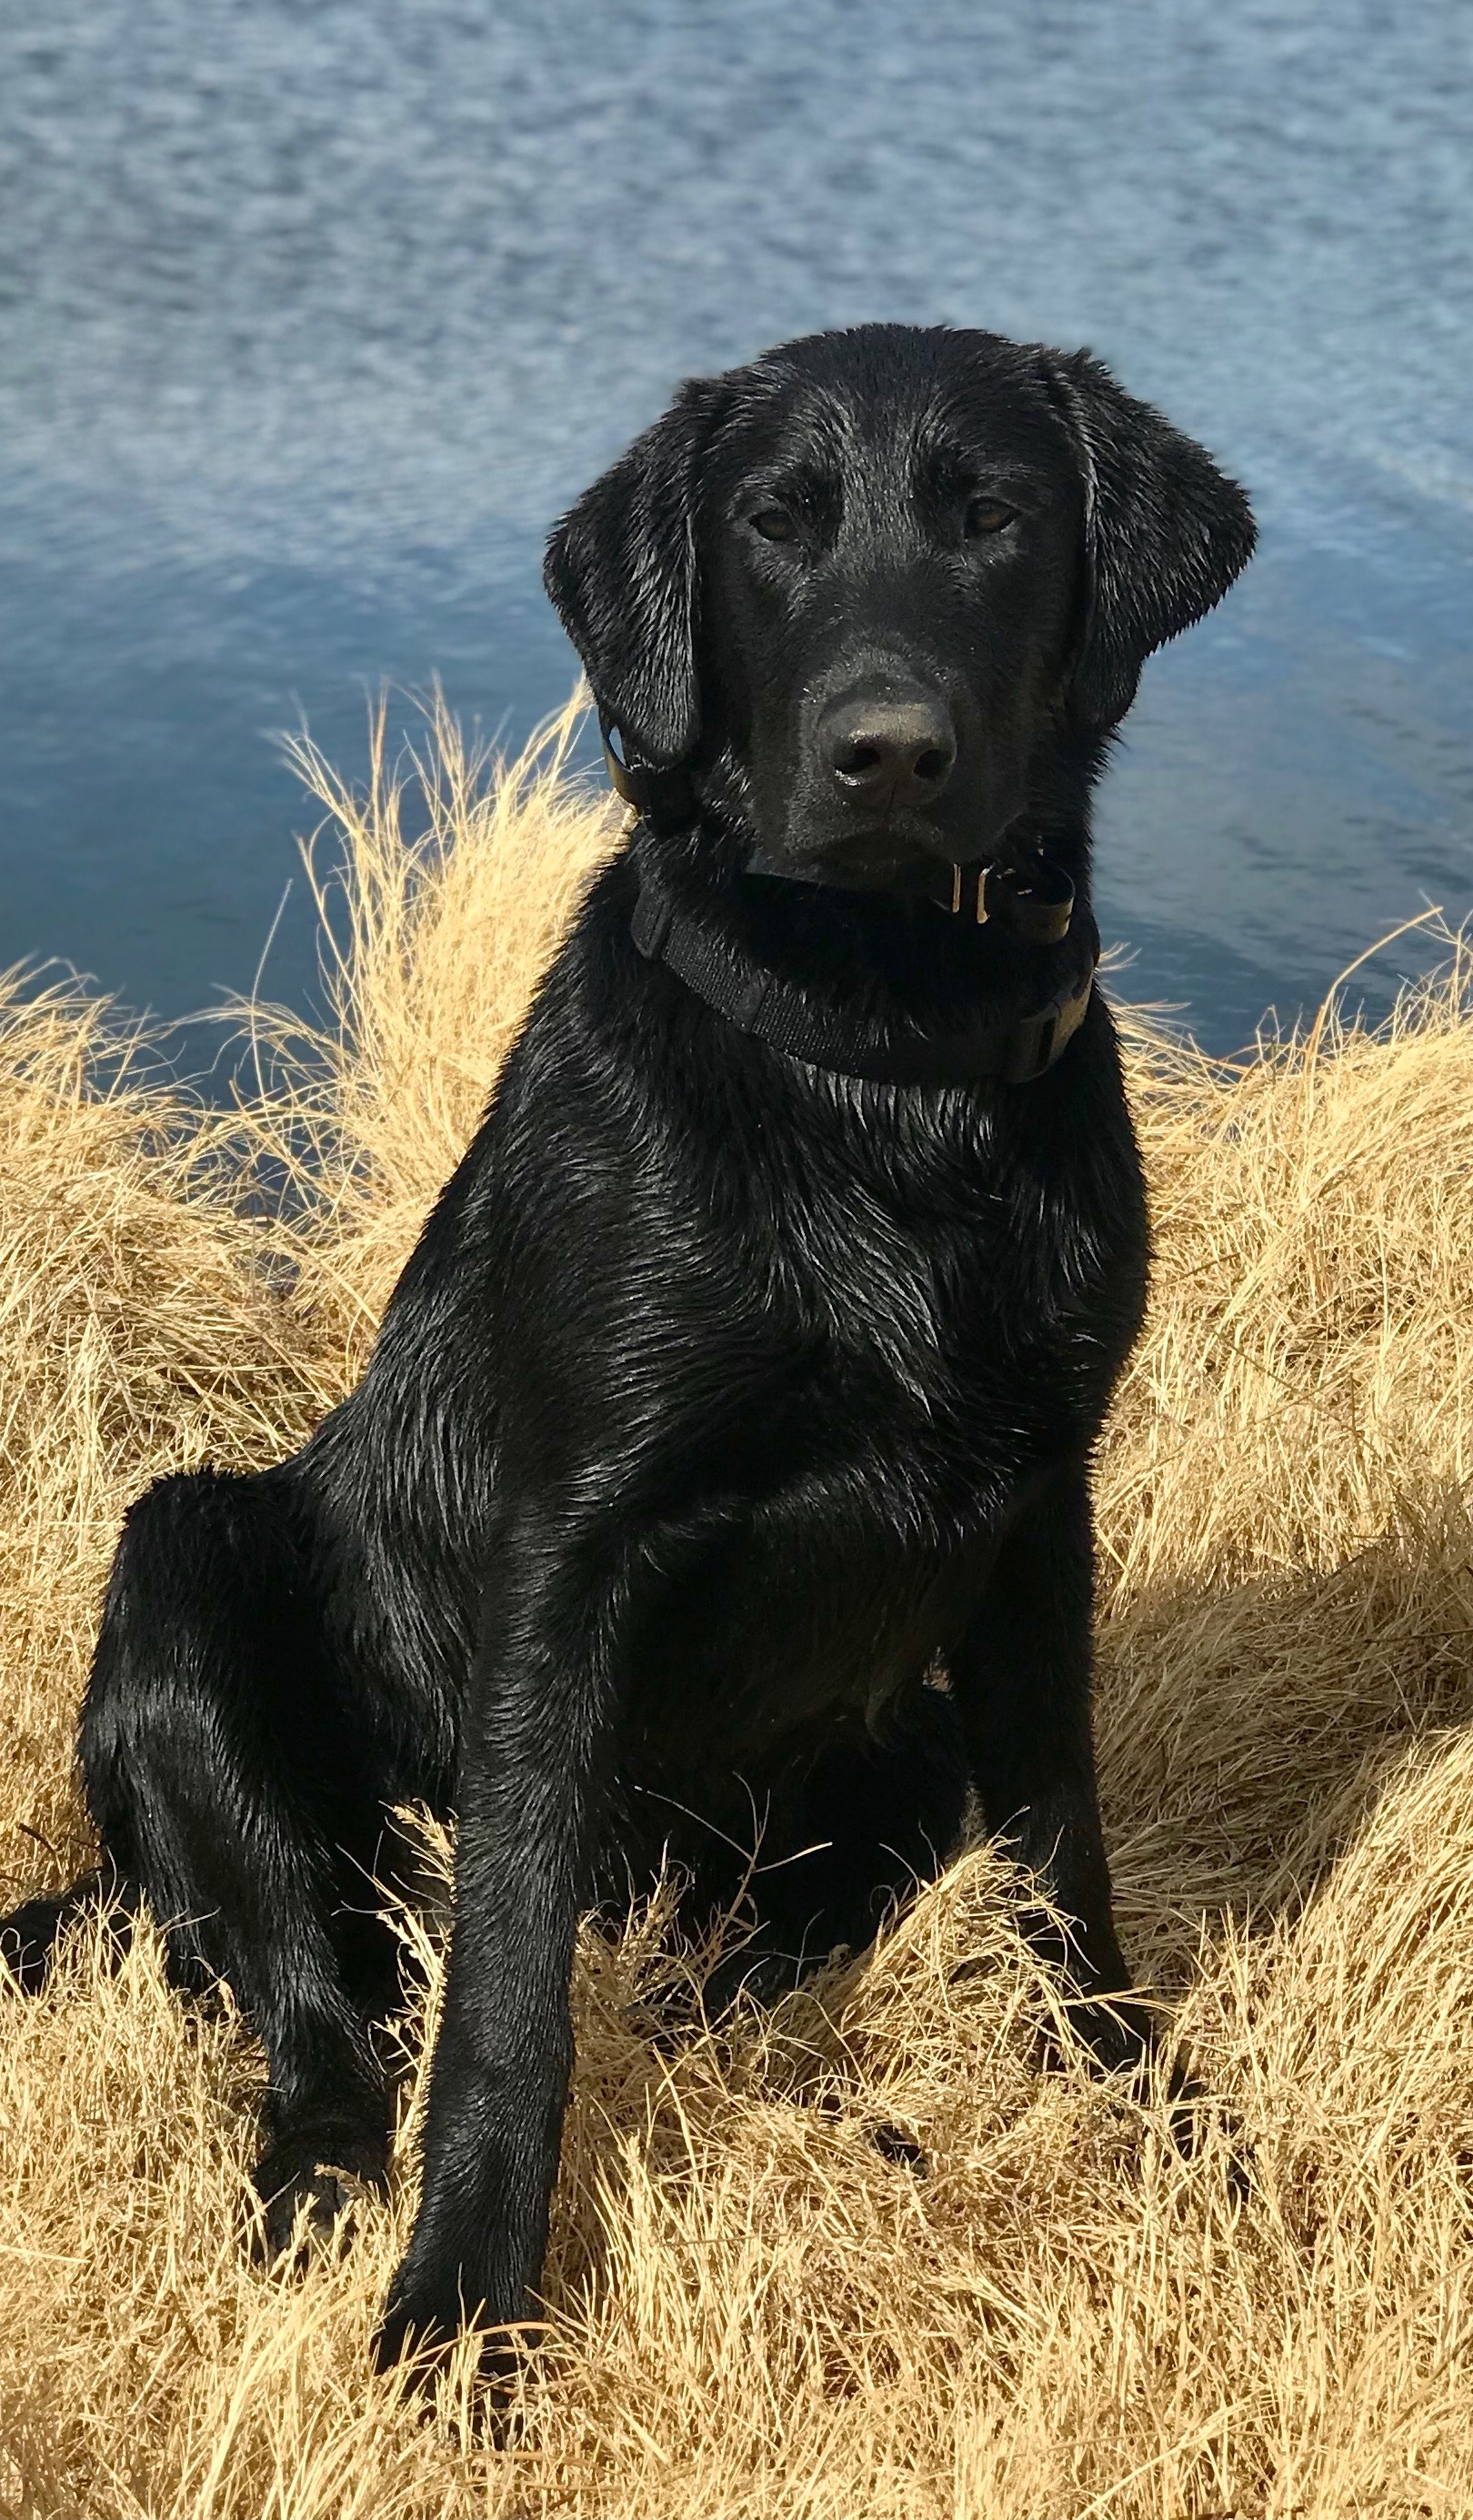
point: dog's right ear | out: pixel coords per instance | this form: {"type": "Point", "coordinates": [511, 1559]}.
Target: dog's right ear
{"type": "Point", "coordinates": [621, 572]}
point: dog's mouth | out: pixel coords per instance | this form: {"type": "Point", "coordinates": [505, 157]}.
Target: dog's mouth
{"type": "Point", "coordinates": [898, 856]}
{"type": "Point", "coordinates": [874, 862]}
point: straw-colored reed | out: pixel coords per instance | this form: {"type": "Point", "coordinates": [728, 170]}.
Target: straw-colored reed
{"type": "Point", "coordinates": [757, 2313]}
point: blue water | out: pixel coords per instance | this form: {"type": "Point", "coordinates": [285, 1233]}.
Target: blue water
{"type": "Point", "coordinates": [313, 315]}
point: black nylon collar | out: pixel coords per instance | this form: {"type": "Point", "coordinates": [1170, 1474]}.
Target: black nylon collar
{"type": "Point", "coordinates": [759, 1002]}
{"type": "Point", "coordinates": [1036, 901]}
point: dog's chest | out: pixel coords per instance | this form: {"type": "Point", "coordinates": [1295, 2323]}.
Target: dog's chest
{"type": "Point", "coordinates": [954, 1315]}
{"type": "Point", "coordinates": [942, 1262]}
{"type": "Point", "coordinates": [863, 1261]}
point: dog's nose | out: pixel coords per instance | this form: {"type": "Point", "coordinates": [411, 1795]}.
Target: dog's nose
{"type": "Point", "coordinates": [900, 751]}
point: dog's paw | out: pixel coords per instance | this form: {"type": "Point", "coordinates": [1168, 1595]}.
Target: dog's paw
{"type": "Point", "coordinates": [422, 2324]}
{"type": "Point", "coordinates": [310, 2197]}
{"type": "Point", "coordinates": [894, 2146]}
{"type": "Point", "coordinates": [1202, 2129]}
{"type": "Point", "coordinates": [416, 2334]}
{"type": "Point", "coordinates": [1119, 2038]}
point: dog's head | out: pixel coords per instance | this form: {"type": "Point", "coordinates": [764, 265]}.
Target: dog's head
{"type": "Point", "coordinates": [860, 588]}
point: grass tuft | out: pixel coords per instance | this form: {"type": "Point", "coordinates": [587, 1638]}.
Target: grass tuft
{"type": "Point", "coordinates": [853, 2255]}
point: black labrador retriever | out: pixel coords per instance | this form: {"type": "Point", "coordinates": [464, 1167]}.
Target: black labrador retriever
{"type": "Point", "coordinates": [742, 1385]}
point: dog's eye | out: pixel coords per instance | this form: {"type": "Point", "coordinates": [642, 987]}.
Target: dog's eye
{"type": "Point", "coordinates": [987, 517]}
{"type": "Point", "coordinates": [774, 525]}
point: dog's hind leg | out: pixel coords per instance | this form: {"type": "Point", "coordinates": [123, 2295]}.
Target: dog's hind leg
{"type": "Point", "coordinates": [227, 1770]}
{"type": "Point", "coordinates": [873, 1819]}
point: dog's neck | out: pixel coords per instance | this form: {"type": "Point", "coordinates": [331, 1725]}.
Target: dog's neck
{"type": "Point", "coordinates": [985, 974]}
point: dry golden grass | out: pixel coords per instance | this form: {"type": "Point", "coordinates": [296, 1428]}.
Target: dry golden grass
{"type": "Point", "coordinates": [757, 2315]}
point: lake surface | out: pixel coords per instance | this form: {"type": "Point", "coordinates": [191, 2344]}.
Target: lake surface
{"type": "Point", "coordinates": [312, 316]}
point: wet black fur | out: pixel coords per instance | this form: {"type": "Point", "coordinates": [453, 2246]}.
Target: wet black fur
{"type": "Point", "coordinates": [723, 1399]}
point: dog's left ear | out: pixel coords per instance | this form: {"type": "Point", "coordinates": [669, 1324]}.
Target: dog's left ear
{"type": "Point", "coordinates": [1166, 534]}
{"type": "Point", "coordinates": [621, 572]}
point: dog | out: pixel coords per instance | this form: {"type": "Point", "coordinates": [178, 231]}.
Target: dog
{"type": "Point", "coordinates": [720, 1480]}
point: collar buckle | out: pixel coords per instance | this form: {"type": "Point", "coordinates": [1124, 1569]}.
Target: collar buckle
{"type": "Point", "coordinates": [1037, 900]}
{"type": "Point", "coordinates": [960, 877]}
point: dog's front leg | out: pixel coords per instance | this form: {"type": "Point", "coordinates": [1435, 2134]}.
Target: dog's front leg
{"type": "Point", "coordinates": [1022, 1678]}
{"type": "Point", "coordinates": [533, 1783]}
